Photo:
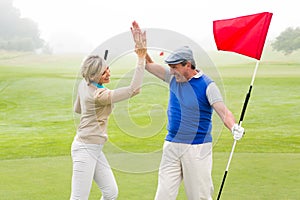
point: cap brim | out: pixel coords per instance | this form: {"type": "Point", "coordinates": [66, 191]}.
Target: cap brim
{"type": "Point", "coordinates": [173, 62]}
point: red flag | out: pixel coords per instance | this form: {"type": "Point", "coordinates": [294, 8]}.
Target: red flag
{"type": "Point", "coordinates": [245, 35]}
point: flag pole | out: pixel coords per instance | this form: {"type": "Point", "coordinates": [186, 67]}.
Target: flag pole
{"type": "Point", "coordinates": [240, 124]}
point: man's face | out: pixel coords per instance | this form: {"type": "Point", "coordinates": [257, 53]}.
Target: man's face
{"type": "Point", "coordinates": [179, 71]}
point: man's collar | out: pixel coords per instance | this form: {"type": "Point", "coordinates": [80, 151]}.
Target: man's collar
{"type": "Point", "coordinates": [199, 74]}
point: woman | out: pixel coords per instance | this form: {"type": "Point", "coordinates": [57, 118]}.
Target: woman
{"type": "Point", "coordinates": [95, 103]}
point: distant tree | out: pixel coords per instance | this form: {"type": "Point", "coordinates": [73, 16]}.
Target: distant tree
{"type": "Point", "coordinates": [17, 33]}
{"type": "Point", "coordinates": [47, 49]}
{"type": "Point", "coordinates": [288, 41]}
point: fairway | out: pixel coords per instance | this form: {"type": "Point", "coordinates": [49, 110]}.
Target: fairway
{"type": "Point", "coordinates": [268, 174]}
{"type": "Point", "coordinates": [37, 126]}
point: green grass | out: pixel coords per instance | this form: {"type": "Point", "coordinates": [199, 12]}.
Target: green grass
{"type": "Point", "coordinates": [252, 176]}
{"type": "Point", "coordinates": [37, 127]}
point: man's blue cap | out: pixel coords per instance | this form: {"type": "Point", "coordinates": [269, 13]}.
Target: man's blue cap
{"type": "Point", "coordinates": [179, 55]}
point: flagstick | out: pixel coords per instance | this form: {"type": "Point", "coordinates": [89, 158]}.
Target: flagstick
{"type": "Point", "coordinates": [240, 123]}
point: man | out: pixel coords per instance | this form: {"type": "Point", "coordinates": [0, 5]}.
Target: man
{"type": "Point", "coordinates": [187, 150]}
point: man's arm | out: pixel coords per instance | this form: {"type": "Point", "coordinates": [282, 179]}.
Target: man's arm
{"type": "Point", "coordinates": [216, 101]}
{"type": "Point", "coordinates": [225, 114]}
{"type": "Point", "coordinates": [155, 69]}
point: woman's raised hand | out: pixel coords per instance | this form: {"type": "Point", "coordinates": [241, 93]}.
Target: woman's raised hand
{"type": "Point", "coordinates": [140, 40]}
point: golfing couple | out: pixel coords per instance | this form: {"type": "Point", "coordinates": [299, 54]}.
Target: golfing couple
{"type": "Point", "coordinates": [187, 149]}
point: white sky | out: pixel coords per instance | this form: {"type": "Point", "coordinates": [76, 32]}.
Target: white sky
{"type": "Point", "coordinates": [82, 25]}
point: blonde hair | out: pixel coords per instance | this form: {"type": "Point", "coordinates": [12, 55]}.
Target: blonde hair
{"type": "Point", "coordinates": [92, 68]}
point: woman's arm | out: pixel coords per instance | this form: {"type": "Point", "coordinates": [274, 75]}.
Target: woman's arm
{"type": "Point", "coordinates": [77, 107]}
{"type": "Point", "coordinates": [137, 80]}
{"type": "Point", "coordinates": [123, 93]}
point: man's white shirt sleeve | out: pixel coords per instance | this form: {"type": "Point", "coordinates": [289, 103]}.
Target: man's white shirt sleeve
{"type": "Point", "coordinates": [213, 93]}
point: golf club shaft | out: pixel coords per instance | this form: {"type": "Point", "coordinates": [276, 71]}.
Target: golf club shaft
{"type": "Point", "coordinates": [105, 54]}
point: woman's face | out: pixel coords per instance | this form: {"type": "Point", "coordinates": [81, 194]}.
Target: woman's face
{"type": "Point", "coordinates": [105, 76]}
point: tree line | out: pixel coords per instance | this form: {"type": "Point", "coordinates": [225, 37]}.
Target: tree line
{"type": "Point", "coordinates": [288, 41]}
{"type": "Point", "coordinates": [17, 33]}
